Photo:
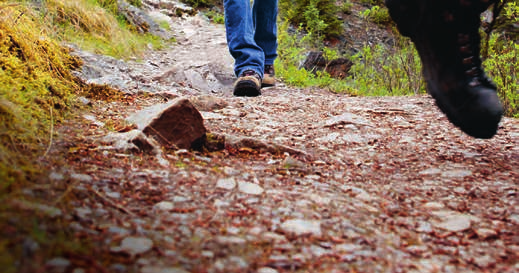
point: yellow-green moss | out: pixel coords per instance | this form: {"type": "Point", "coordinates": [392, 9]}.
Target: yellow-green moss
{"type": "Point", "coordinates": [37, 90]}
{"type": "Point", "coordinates": [93, 28]}
{"type": "Point", "coordinates": [36, 86]}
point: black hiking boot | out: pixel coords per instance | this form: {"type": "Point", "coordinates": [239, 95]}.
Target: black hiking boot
{"type": "Point", "coordinates": [446, 36]}
{"type": "Point", "coordinates": [248, 84]}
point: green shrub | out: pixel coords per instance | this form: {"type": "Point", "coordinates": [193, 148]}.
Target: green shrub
{"type": "Point", "coordinates": [346, 7]}
{"type": "Point", "coordinates": [215, 17]}
{"type": "Point", "coordinates": [377, 70]}
{"type": "Point", "coordinates": [501, 56]}
{"type": "Point", "coordinates": [200, 3]}
{"type": "Point", "coordinates": [382, 71]}
{"type": "Point", "coordinates": [291, 53]}
{"type": "Point", "coordinates": [372, 2]}
{"type": "Point", "coordinates": [501, 65]}
{"type": "Point", "coordinates": [378, 15]}
{"type": "Point", "coordinates": [315, 16]}
{"type": "Point", "coordinates": [315, 26]}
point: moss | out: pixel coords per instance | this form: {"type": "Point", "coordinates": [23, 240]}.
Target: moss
{"type": "Point", "coordinates": [214, 142]}
{"type": "Point", "coordinates": [36, 84]}
{"type": "Point", "coordinates": [36, 90]}
{"type": "Point", "coordinates": [91, 27]}
{"type": "Point", "coordinates": [102, 92]}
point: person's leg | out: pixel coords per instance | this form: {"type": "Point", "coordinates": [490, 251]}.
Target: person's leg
{"type": "Point", "coordinates": [240, 31]}
{"type": "Point", "coordinates": [264, 14]}
{"type": "Point", "coordinates": [446, 36]}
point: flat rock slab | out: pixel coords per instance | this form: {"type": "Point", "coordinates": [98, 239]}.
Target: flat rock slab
{"type": "Point", "coordinates": [302, 227]}
{"type": "Point", "coordinates": [177, 124]}
{"type": "Point", "coordinates": [134, 245]}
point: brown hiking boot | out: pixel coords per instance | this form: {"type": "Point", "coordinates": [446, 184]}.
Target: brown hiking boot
{"type": "Point", "coordinates": [446, 36]}
{"type": "Point", "coordinates": [269, 76]}
{"type": "Point", "coordinates": [248, 84]}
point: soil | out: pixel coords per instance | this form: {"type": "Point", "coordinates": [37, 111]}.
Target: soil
{"type": "Point", "coordinates": [363, 184]}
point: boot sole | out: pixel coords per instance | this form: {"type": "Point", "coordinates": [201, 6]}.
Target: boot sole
{"type": "Point", "coordinates": [246, 88]}
{"type": "Point", "coordinates": [480, 114]}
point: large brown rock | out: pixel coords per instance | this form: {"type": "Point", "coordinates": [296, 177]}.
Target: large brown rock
{"type": "Point", "coordinates": [338, 68]}
{"type": "Point", "coordinates": [177, 124]}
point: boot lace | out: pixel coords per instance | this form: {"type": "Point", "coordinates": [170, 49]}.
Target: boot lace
{"type": "Point", "coordinates": [252, 73]}
{"type": "Point", "coordinates": [471, 61]}
{"type": "Point", "coordinates": [269, 69]}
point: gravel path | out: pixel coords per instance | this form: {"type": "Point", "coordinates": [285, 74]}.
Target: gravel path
{"type": "Point", "coordinates": [379, 184]}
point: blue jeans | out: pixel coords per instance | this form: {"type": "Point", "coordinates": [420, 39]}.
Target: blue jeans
{"type": "Point", "coordinates": [251, 33]}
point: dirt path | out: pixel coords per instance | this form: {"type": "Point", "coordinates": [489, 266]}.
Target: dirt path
{"type": "Point", "coordinates": [380, 185]}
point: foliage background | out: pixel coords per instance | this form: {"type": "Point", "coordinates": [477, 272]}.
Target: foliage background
{"type": "Point", "coordinates": [388, 69]}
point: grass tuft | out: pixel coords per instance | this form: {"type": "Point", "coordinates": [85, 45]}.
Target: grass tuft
{"type": "Point", "coordinates": [93, 28]}
{"type": "Point", "coordinates": [37, 88]}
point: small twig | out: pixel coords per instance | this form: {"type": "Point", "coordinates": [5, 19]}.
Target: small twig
{"type": "Point", "coordinates": [9, 5]}
{"type": "Point", "coordinates": [18, 18]}
{"type": "Point", "coordinates": [51, 133]}
{"type": "Point", "coordinates": [112, 203]}
{"type": "Point", "coordinates": [167, 142]}
{"type": "Point", "coordinates": [67, 191]}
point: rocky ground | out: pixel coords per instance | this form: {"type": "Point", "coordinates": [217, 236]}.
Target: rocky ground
{"type": "Point", "coordinates": [323, 183]}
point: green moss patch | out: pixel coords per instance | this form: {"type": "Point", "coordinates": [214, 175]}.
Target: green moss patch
{"type": "Point", "coordinates": [36, 89]}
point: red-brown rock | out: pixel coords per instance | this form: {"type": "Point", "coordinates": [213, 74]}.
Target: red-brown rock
{"type": "Point", "coordinates": [174, 125]}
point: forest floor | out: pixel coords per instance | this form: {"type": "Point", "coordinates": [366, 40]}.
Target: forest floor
{"type": "Point", "coordinates": [361, 184]}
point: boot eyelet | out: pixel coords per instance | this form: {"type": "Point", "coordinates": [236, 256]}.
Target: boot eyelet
{"type": "Point", "coordinates": [465, 50]}
{"type": "Point", "coordinates": [468, 61]}
{"type": "Point", "coordinates": [472, 72]}
{"type": "Point", "coordinates": [474, 82]}
{"type": "Point", "coordinates": [463, 38]}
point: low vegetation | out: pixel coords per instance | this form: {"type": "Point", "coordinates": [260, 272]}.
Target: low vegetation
{"type": "Point", "coordinates": [381, 69]}
{"type": "Point", "coordinates": [387, 71]}
{"type": "Point", "coordinates": [317, 17]}
{"type": "Point", "coordinates": [39, 90]}
{"type": "Point", "coordinates": [501, 50]}
{"type": "Point", "coordinates": [378, 69]}
{"type": "Point", "coordinates": [96, 26]}
{"type": "Point", "coordinates": [37, 85]}
{"type": "Point", "coordinates": [201, 3]}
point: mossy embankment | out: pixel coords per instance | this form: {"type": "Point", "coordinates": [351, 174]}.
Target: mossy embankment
{"type": "Point", "coordinates": [38, 90]}
{"type": "Point", "coordinates": [37, 87]}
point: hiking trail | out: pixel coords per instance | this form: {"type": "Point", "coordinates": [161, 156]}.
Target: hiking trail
{"type": "Point", "coordinates": [322, 182]}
